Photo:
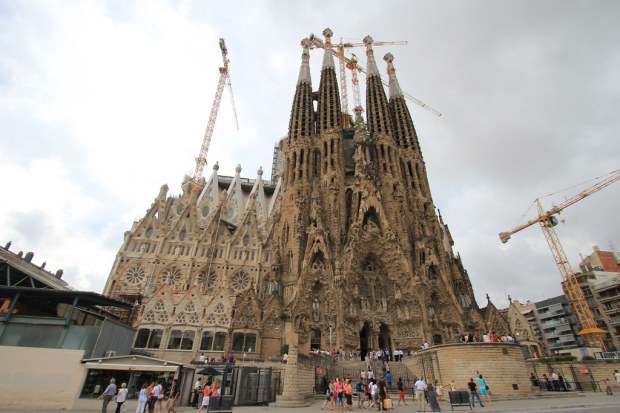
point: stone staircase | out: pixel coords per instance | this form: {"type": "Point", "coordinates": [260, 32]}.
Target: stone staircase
{"type": "Point", "coordinates": [352, 369]}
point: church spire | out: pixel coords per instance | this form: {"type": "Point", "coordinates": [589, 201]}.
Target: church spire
{"type": "Point", "coordinates": [404, 131]}
{"type": "Point", "coordinates": [329, 96]}
{"type": "Point", "coordinates": [376, 102]}
{"type": "Point", "coordinates": [302, 114]}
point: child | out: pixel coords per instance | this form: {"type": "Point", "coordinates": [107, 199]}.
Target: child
{"type": "Point", "coordinates": [608, 388]}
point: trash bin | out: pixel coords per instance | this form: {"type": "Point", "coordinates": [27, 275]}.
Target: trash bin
{"type": "Point", "coordinates": [221, 404]}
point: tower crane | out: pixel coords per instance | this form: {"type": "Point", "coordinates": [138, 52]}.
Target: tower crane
{"type": "Point", "coordinates": [547, 221]}
{"type": "Point", "coordinates": [201, 159]}
{"type": "Point", "coordinates": [353, 65]}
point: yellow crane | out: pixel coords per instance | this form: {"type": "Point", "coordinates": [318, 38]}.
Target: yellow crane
{"type": "Point", "coordinates": [201, 159]}
{"type": "Point", "coordinates": [547, 220]}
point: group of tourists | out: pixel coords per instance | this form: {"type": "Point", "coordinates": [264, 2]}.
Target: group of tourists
{"type": "Point", "coordinates": [490, 337]}
{"type": "Point", "coordinates": [372, 393]}
{"type": "Point", "coordinates": [432, 393]}
{"type": "Point", "coordinates": [210, 389]}
{"type": "Point", "coordinates": [339, 354]}
{"type": "Point", "coordinates": [339, 394]}
{"type": "Point", "coordinates": [224, 358]}
{"type": "Point", "coordinates": [151, 396]}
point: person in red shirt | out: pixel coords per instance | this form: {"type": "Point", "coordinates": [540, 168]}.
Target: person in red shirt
{"type": "Point", "coordinates": [348, 395]}
{"type": "Point", "coordinates": [339, 393]}
{"type": "Point", "coordinates": [206, 394]}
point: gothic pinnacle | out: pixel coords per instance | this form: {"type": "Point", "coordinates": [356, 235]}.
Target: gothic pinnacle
{"type": "Point", "coordinates": [372, 65]}
{"type": "Point", "coordinates": [304, 70]}
{"type": "Point", "coordinates": [395, 90]}
{"type": "Point", "coordinates": [328, 56]}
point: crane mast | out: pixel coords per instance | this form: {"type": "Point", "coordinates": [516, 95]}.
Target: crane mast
{"type": "Point", "coordinates": [201, 159]}
{"type": "Point", "coordinates": [547, 220]}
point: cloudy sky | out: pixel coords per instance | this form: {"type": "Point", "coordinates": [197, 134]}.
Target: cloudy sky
{"type": "Point", "coordinates": [102, 102]}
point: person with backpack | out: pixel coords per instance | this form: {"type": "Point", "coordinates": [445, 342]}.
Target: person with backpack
{"type": "Point", "coordinates": [360, 389]}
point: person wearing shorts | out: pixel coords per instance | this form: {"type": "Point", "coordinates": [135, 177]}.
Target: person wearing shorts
{"type": "Point", "coordinates": [339, 390]}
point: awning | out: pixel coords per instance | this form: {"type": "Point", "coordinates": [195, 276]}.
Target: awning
{"type": "Point", "coordinates": [130, 367]}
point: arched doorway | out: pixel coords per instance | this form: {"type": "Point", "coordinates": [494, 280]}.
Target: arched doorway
{"type": "Point", "coordinates": [385, 342]}
{"type": "Point", "coordinates": [370, 342]}
{"type": "Point", "coordinates": [365, 340]}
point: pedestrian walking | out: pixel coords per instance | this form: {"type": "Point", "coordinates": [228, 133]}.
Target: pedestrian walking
{"type": "Point", "coordinates": [473, 393]}
{"type": "Point", "coordinates": [142, 399]}
{"type": "Point", "coordinates": [107, 395]}
{"type": "Point", "coordinates": [120, 397]}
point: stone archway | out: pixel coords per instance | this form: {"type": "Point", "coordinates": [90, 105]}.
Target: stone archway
{"type": "Point", "coordinates": [365, 340]}
{"type": "Point", "coordinates": [384, 339]}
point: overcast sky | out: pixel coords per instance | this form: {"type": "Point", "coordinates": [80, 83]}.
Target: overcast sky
{"type": "Point", "coordinates": [102, 102]}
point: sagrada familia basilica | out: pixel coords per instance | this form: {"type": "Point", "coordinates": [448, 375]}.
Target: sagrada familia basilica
{"type": "Point", "coordinates": [343, 247]}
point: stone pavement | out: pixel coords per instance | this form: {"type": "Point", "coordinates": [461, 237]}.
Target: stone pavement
{"type": "Point", "coordinates": [576, 400]}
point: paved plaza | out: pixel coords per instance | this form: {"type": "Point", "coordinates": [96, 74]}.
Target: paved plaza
{"type": "Point", "coordinates": [581, 402]}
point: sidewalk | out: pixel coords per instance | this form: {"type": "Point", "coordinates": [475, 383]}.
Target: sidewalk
{"type": "Point", "coordinates": [580, 400]}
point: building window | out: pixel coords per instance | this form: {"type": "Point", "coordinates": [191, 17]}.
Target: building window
{"type": "Point", "coordinates": [181, 340]}
{"type": "Point", "coordinates": [212, 342]}
{"type": "Point", "coordinates": [147, 338]}
{"type": "Point", "coordinates": [315, 339]}
{"type": "Point", "coordinates": [244, 342]}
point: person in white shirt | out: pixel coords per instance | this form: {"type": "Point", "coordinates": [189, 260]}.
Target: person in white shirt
{"type": "Point", "coordinates": [197, 389]}
{"type": "Point", "coordinates": [120, 397]}
{"type": "Point", "coordinates": [420, 387]}
{"type": "Point", "coordinates": [158, 394]}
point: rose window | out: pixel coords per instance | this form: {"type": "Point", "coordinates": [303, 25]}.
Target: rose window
{"type": "Point", "coordinates": [207, 281]}
{"type": "Point", "coordinates": [135, 275]}
{"type": "Point", "coordinates": [240, 281]}
{"type": "Point", "coordinates": [172, 276]}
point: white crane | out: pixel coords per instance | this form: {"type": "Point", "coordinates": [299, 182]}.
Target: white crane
{"type": "Point", "coordinates": [201, 160]}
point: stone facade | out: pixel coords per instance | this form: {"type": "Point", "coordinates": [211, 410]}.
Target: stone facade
{"type": "Point", "coordinates": [343, 248]}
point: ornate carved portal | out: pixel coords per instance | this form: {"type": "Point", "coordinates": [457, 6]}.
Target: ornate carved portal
{"type": "Point", "coordinates": [374, 336]}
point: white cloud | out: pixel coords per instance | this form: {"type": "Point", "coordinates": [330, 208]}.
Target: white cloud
{"type": "Point", "coordinates": [101, 103]}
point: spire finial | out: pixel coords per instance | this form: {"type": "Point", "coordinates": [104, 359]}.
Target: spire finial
{"type": "Point", "coordinates": [372, 65]}
{"type": "Point", "coordinates": [328, 56]}
{"type": "Point", "coordinates": [395, 90]}
{"type": "Point", "coordinates": [328, 35]}
{"type": "Point", "coordinates": [304, 70]}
